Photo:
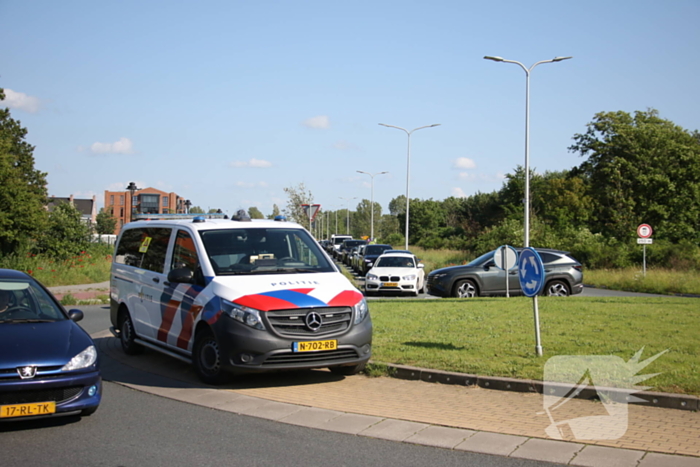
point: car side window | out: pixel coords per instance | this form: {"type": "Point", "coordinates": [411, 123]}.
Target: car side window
{"type": "Point", "coordinates": [143, 248]}
{"type": "Point", "coordinates": [184, 252]}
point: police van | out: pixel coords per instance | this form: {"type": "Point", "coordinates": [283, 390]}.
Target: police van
{"type": "Point", "coordinates": [234, 296]}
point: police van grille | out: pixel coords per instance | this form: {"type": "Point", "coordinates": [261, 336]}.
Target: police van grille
{"type": "Point", "coordinates": [292, 323]}
{"type": "Point", "coordinates": [57, 395]}
{"type": "Point", "coordinates": [320, 358]}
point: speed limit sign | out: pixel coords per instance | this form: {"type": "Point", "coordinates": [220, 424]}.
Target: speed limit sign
{"type": "Point", "coordinates": [644, 231]}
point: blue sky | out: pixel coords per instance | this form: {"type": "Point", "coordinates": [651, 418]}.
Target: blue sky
{"type": "Point", "coordinates": [226, 103]}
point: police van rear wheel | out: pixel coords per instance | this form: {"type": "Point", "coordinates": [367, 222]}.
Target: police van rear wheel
{"type": "Point", "coordinates": [206, 357]}
{"type": "Point", "coordinates": [127, 335]}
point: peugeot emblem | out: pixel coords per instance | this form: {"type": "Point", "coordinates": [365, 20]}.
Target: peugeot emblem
{"type": "Point", "coordinates": [26, 372]}
{"type": "Point", "coordinates": [313, 321]}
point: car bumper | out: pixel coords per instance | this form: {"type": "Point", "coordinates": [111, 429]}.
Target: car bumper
{"type": "Point", "coordinates": [400, 287]}
{"type": "Point", "coordinates": [247, 350]}
{"type": "Point", "coordinates": [71, 393]}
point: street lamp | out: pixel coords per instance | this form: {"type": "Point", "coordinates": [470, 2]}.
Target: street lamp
{"type": "Point", "coordinates": [132, 188]}
{"type": "Point", "coordinates": [527, 134]}
{"type": "Point", "coordinates": [347, 211]}
{"type": "Point", "coordinates": [371, 201]}
{"type": "Point", "coordinates": [408, 165]}
{"type": "Point", "coordinates": [188, 203]}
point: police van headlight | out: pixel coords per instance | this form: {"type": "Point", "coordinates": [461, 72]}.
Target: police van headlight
{"type": "Point", "coordinates": [361, 310]}
{"type": "Point", "coordinates": [248, 316]}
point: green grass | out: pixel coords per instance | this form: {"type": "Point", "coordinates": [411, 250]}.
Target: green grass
{"type": "Point", "coordinates": [87, 268]}
{"type": "Point", "coordinates": [658, 281]}
{"type": "Point", "coordinates": [495, 336]}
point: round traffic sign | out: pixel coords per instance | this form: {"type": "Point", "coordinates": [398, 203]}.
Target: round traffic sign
{"type": "Point", "coordinates": [644, 231]}
{"type": "Point", "coordinates": [531, 272]}
{"type": "Point", "coordinates": [505, 257]}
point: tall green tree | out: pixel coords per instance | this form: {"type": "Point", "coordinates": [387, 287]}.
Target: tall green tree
{"type": "Point", "coordinates": [196, 210]}
{"type": "Point", "coordinates": [641, 169]}
{"type": "Point", "coordinates": [296, 197]}
{"type": "Point", "coordinates": [105, 223]}
{"type": "Point", "coordinates": [255, 213]}
{"type": "Point", "coordinates": [275, 212]}
{"type": "Point", "coordinates": [23, 193]}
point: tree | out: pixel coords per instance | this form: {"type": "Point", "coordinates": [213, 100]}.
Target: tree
{"type": "Point", "coordinates": [196, 210]}
{"type": "Point", "coordinates": [296, 197]}
{"type": "Point", "coordinates": [23, 193]}
{"type": "Point", "coordinates": [275, 212]}
{"type": "Point", "coordinates": [67, 235]}
{"type": "Point", "coordinates": [255, 213]}
{"type": "Point", "coordinates": [641, 168]}
{"type": "Point", "coordinates": [105, 223]}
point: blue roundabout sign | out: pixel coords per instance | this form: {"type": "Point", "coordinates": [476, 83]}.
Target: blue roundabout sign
{"type": "Point", "coordinates": [531, 272]}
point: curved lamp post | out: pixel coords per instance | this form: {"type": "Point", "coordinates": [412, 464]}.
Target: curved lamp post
{"type": "Point", "coordinates": [408, 165]}
{"type": "Point", "coordinates": [347, 213]}
{"type": "Point", "coordinates": [371, 201]}
{"type": "Point", "coordinates": [527, 133]}
{"type": "Point", "coordinates": [538, 344]}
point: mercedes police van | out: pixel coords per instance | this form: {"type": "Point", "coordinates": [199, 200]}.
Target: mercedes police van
{"type": "Point", "coordinates": [235, 296]}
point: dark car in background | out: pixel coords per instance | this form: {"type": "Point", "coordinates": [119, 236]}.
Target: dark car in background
{"type": "Point", "coordinates": [370, 255]}
{"type": "Point", "coordinates": [49, 365]}
{"type": "Point", "coordinates": [481, 277]}
{"type": "Point", "coordinates": [346, 247]}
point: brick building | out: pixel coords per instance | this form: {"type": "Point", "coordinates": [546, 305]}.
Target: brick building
{"type": "Point", "coordinates": [145, 201]}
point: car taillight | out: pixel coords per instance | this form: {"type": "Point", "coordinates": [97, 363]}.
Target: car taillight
{"type": "Point", "coordinates": [578, 267]}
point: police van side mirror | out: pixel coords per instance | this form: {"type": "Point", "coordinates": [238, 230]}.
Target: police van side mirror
{"type": "Point", "coordinates": [181, 275]}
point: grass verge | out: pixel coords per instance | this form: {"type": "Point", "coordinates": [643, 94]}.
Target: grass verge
{"type": "Point", "coordinates": [495, 336]}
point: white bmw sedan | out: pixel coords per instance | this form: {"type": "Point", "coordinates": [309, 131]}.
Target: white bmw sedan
{"type": "Point", "coordinates": [395, 272]}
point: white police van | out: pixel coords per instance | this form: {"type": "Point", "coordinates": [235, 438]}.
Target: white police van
{"type": "Point", "coordinates": [235, 296]}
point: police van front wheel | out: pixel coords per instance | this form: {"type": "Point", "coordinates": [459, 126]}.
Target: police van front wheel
{"type": "Point", "coordinates": [127, 335]}
{"type": "Point", "coordinates": [206, 357]}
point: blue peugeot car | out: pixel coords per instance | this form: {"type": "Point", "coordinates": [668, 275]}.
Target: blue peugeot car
{"type": "Point", "coordinates": [49, 365]}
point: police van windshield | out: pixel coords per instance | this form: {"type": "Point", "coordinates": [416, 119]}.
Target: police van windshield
{"type": "Point", "coordinates": [264, 251]}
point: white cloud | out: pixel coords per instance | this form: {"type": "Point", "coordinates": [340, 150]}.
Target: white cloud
{"type": "Point", "coordinates": [458, 193]}
{"type": "Point", "coordinates": [255, 163]}
{"type": "Point", "coordinates": [21, 101]}
{"type": "Point", "coordinates": [320, 122]}
{"type": "Point", "coordinates": [463, 163]}
{"type": "Point", "coordinates": [123, 146]}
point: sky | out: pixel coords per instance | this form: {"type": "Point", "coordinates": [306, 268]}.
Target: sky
{"type": "Point", "coordinates": [227, 103]}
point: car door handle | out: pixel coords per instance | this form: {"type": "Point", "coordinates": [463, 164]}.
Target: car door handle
{"type": "Point", "coordinates": [156, 280]}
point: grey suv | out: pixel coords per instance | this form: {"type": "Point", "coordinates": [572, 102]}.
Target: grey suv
{"type": "Point", "coordinates": [481, 277]}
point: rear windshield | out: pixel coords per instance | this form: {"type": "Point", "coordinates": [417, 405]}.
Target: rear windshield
{"type": "Point", "coordinates": [263, 251]}
{"type": "Point", "coordinates": [376, 249]}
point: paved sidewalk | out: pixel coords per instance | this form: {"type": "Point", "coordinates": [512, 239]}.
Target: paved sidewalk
{"type": "Point", "coordinates": [446, 416]}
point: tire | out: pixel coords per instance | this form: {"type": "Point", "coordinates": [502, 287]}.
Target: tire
{"type": "Point", "coordinates": [557, 288]}
{"type": "Point", "coordinates": [206, 358]}
{"type": "Point", "coordinates": [347, 370]}
{"type": "Point", "coordinates": [465, 289]}
{"type": "Point", "coordinates": [127, 335]}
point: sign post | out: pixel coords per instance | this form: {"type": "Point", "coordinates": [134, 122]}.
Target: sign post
{"type": "Point", "coordinates": [644, 231]}
{"type": "Point", "coordinates": [531, 274]}
{"type": "Point", "coordinates": [311, 210]}
{"type": "Point", "coordinates": [506, 258]}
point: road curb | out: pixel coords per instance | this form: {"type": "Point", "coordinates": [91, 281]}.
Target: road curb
{"type": "Point", "coordinates": [655, 399]}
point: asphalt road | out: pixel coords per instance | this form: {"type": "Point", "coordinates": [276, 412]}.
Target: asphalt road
{"type": "Point", "coordinates": [132, 428]}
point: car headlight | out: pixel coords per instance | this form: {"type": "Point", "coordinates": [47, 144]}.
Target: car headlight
{"type": "Point", "coordinates": [438, 276]}
{"type": "Point", "coordinates": [361, 310]}
{"type": "Point", "coordinates": [410, 277]}
{"type": "Point", "coordinates": [84, 359]}
{"type": "Point", "coordinates": [371, 277]}
{"type": "Point", "coordinates": [248, 316]}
